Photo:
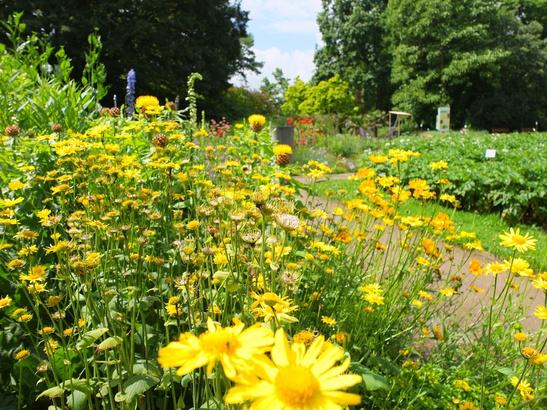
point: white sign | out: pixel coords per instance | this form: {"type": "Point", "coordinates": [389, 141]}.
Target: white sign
{"type": "Point", "coordinates": [443, 119]}
{"type": "Point", "coordinates": [490, 153]}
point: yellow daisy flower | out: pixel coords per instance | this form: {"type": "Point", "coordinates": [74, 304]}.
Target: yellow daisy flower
{"type": "Point", "coordinates": [22, 354]}
{"type": "Point", "coordinates": [281, 149]}
{"type": "Point", "coordinates": [5, 302]}
{"type": "Point", "coordinates": [36, 273]}
{"type": "Point", "coordinates": [521, 243]}
{"type": "Point", "coordinates": [541, 312]}
{"type": "Point", "coordinates": [297, 378]}
{"type": "Point", "coordinates": [233, 347]}
{"type": "Point", "coordinates": [256, 121]}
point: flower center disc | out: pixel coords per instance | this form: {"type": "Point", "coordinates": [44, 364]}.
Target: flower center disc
{"type": "Point", "coordinates": [220, 342]}
{"type": "Point", "coordinates": [296, 385]}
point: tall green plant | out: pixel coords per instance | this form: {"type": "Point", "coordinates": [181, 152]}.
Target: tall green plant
{"type": "Point", "coordinates": [36, 83]}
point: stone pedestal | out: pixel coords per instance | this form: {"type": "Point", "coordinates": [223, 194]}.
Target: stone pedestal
{"type": "Point", "coordinates": [284, 135]}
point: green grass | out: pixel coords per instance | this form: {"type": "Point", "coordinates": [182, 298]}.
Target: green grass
{"type": "Point", "coordinates": [487, 226]}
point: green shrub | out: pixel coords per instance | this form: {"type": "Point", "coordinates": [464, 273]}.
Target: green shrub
{"type": "Point", "coordinates": [513, 184]}
{"type": "Point", "coordinates": [343, 145]}
{"type": "Point", "coordinates": [327, 97]}
{"type": "Point", "coordinates": [239, 103]}
{"type": "Point", "coordinates": [36, 86]}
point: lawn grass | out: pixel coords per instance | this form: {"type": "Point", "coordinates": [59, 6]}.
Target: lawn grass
{"type": "Point", "coordinates": [487, 226]}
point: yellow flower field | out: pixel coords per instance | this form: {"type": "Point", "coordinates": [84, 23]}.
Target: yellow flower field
{"type": "Point", "coordinates": [148, 264]}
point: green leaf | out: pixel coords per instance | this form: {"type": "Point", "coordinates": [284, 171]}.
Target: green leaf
{"type": "Point", "coordinates": [62, 363]}
{"type": "Point", "coordinates": [374, 381]}
{"type": "Point", "coordinates": [211, 404]}
{"type": "Point", "coordinates": [134, 387]}
{"type": "Point", "coordinates": [505, 370]}
{"type": "Point", "coordinates": [52, 393]}
{"type": "Point", "coordinates": [109, 343]}
{"type": "Point", "coordinates": [90, 337]}
{"type": "Point", "coordinates": [77, 400]}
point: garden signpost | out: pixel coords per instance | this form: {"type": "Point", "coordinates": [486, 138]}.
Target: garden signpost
{"type": "Point", "coordinates": [443, 119]}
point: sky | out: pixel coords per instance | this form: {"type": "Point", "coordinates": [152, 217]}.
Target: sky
{"type": "Point", "coordinates": [285, 35]}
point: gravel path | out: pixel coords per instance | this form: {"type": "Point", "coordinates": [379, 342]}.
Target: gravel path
{"type": "Point", "coordinates": [470, 309]}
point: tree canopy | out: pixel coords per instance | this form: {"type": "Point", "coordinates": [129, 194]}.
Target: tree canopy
{"type": "Point", "coordinates": [330, 96]}
{"type": "Point", "coordinates": [163, 40]}
{"type": "Point", "coordinates": [487, 60]}
{"type": "Point", "coordinates": [356, 48]}
{"type": "Point", "coordinates": [476, 55]}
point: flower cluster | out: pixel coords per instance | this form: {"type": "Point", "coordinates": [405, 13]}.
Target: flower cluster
{"type": "Point", "coordinates": [289, 376]}
{"type": "Point", "coordinates": [144, 245]}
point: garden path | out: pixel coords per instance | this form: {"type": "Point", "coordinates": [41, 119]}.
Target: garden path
{"type": "Point", "coordinates": [470, 305]}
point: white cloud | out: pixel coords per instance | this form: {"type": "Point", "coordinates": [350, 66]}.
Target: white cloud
{"type": "Point", "coordinates": [287, 19]}
{"type": "Point", "coordinates": [285, 16]}
{"type": "Point", "coordinates": [293, 63]}
{"type": "Point", "coordinates": [282, 9]}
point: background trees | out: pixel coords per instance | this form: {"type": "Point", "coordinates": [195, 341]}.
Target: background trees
{"type": "Point", "coordinates": [487, 60]}
{"type": "Point", "coordinates": [356, 48]}
{"type": "Point", "coordinates": [163, 40]}
{"type": "Point", "coordinates": [476, 55]}
{"type": "Point", "coordinates": [328, 97]}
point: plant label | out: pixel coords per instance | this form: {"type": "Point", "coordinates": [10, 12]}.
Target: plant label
{"type": "Point", "coordinates": [443, 119]}
{"type": "Point", "coordinates": [490, 153]}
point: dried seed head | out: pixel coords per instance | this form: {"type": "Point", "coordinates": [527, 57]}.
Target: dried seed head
{"type": "Point", "coordinates": [289, 278]}
{"type": "Point", "coordinates": [204, 210]}
{"type": "Point", "coordinates": [287, 221]}
{"type": "Point", "coordinates": [238, 215]}
{"type": "Point", "coordinates": [160, 140]}
{"type": "Point", "coordinates": [283, 159]}
{"type": "Point", "coordinates": [207, 251]}
{"type": "Point", "coordinates": [115, 112]}
{"type": "Point", "coordinates": [251, 236]}
{"type": "Point", "coordinates": [12, 130]}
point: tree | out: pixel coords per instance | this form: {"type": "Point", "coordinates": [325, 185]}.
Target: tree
{"type": "Point", "coordinates": [478, 56]}
{"type": "Point", "coordinates": [355, 47]}
{"type": "Point", "coordinates": [163, 40]}
{"type": "Point", "coordinates": [239, 102]}
{"type": "Point", "coordinates": [276, 88]}
{"type": "Point", "coordinates": [531, 10]}
{"type": "Point", "coordinates": [328, 97]}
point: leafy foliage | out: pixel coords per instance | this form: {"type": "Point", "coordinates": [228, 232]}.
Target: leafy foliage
{"type": "Point", "coordinates": [355, 46]}
{"type": "Point", "coordinates": [474, 55]}
{"type": "Point", "coordinates": [513, 184]}
{"type": "Point", "coordinates": [275, 88]}
{"type": "Point", "coordinates": [164, 41]}
{"type": "Point", "coordinates": [36, 84]}
{"type": "Point", "coordinates": [487, 60]}
{"type": "Point", "coordinates": [330, 96]}
{"type": "Point", "coordinates": [239, 102]}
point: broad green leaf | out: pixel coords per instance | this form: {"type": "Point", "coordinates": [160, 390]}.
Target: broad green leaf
{"type": "Point", "coordinates": [52, 393]}
{"type": "Point", "coordinates": [77, 400]}
{"type": "Point", "coordinates": [134, 387]}
{"type": "Point", "coordinates": [505, 370]}
{"type": "Point", "coordinates": [62, 363]}
{"type": "Point", "coordinates": [374, 381]}
{"type": "Point", "coordinates": [90, 337]}
{"type": "Point", "coordinates": [109, 343]}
